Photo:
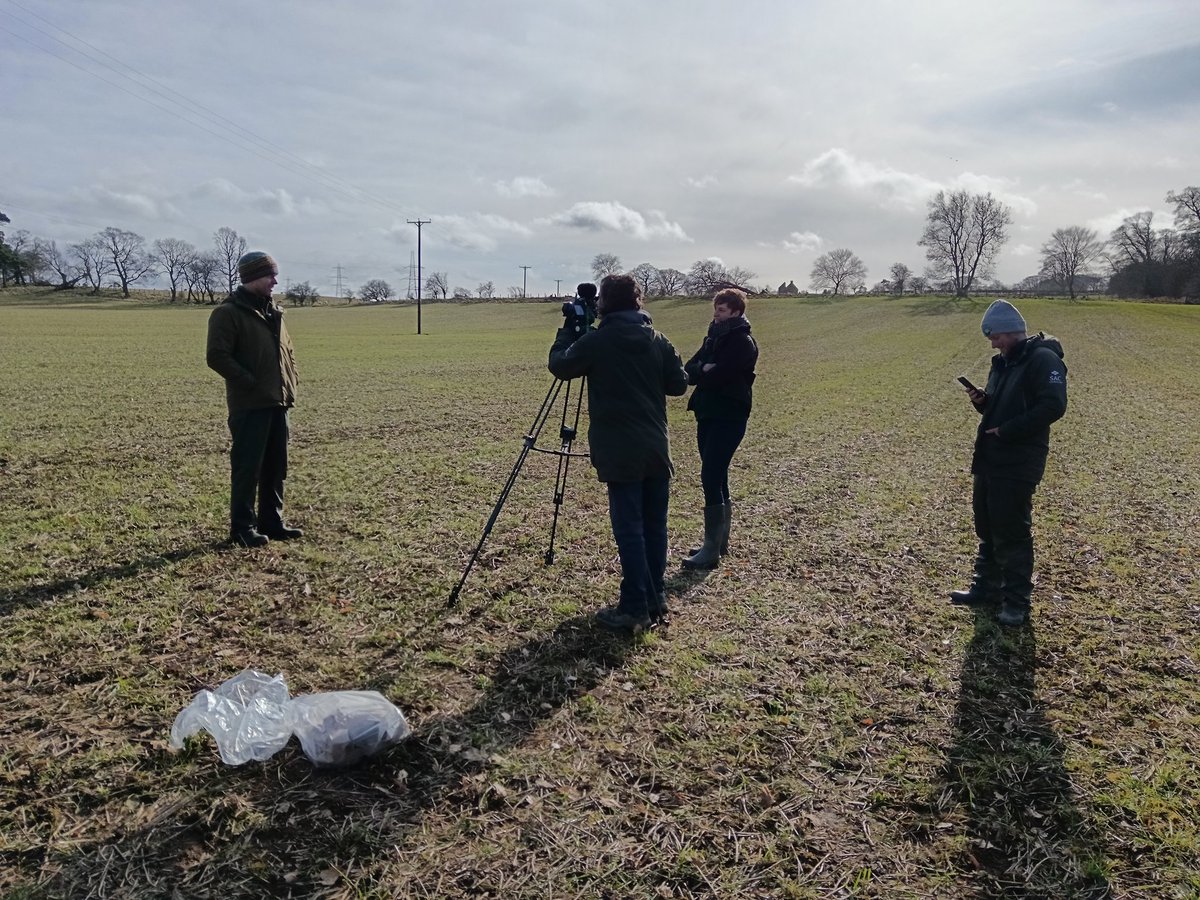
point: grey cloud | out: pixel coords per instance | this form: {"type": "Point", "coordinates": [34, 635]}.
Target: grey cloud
{"type": "Point", "coordinates": [616, 217]}
{"type": "Point", "coordinates": [1151, 84]}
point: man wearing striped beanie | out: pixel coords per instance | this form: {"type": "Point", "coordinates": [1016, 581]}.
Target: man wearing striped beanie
{"type": "Point", "coordinates": [249, 346]}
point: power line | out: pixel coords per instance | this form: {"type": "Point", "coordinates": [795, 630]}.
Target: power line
{"type": "Point", "coordinates": [246, 140]}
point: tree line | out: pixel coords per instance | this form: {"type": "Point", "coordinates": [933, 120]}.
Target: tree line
{"type": "Point", "coordinates": [962, 237]}
{"type": "Point", "coordinates": [964, 233]}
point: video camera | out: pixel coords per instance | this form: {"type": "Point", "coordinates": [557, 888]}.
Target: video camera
{"type": "Point", "coordinates": [579, 314]}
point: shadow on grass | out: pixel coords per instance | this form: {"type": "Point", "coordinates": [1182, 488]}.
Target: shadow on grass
{"type": "Point", "coordinates": [37, 594]}
{"type": "Point", "coordinates": [1026, 835]}
{"type": "Point", "coordinates": [278, 828]}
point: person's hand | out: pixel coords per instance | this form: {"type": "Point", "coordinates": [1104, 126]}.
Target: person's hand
{"type": "Point", "coordinates": [708, 366]}
{"type": "Point", "coordinates": [976, 395]}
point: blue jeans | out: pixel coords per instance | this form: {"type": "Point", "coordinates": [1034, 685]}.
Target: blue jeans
{"type": "Point", "coordinates": [717, 440]}
{"type": "Point", "coordinates": [638, 511]}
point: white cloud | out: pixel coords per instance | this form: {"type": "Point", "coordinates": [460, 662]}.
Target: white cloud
{"type": "Point", "coordinates": [1081, 188]}
{"type": "Point", "coordinates": [613, 216]}
{"type": "Point", "coordinates": [1106, 224]}
{"type": "Point", "coordinates": [477, 232]}
{"type": "Point", "coordinates": [126, 202]}
{"type": "Point", "coordinates": [801, 241]}
{"type": "Point", "coordinates": [524, 186]}
{"type": "Point", "coordinates": [835, 168]}
{"type": "Point", "coordinates": [894, 189]}
{"type": "Point", "coordinates": [273, 202]}
{"type": "Point", "coordinates": [1022, 250]}
{"type": "Point", "coordinates": [702, 182]}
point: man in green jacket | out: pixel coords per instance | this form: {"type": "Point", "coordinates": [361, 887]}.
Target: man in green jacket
{"type": "Point", "coordinates": [1026, 392]}
{"type": "Point", "coordinates": [249, 346]}
{"type": "Point", "coordinates": [631, 369]}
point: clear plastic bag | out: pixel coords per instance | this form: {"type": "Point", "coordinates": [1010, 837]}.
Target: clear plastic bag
{"type": "Point", "coordinates": [251, 717]}
{"type": "Point", "coordinates": [338, 728]}
{"type": "Point", "coordinates": [247, 715]}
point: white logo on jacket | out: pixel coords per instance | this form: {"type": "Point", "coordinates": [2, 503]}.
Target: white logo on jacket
{"type": "Point", "coordinates": [1056, 377]}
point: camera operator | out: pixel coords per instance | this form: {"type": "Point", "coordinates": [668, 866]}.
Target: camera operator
{"type": "Point", "coordinates": [631, 369]}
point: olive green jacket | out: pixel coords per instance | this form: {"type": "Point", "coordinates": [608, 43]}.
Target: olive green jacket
{"type": "Point", "coordinates": [249, 346]}
{"type": "Point", "coordinates": [630, 369]}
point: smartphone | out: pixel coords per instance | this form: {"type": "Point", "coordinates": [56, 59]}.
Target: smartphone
{"type": "Point", "coordinates": [965, 383]}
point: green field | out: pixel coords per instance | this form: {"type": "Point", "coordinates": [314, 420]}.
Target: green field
{"type": "Point", "coordinates": [817, 721]}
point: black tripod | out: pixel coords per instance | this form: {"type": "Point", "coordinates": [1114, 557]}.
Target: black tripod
{"type": "Point", "coordinates": [566, 434]}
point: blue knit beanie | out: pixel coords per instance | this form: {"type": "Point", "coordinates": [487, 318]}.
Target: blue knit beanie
{"type": "Point", "coordinates": [1001, 317]}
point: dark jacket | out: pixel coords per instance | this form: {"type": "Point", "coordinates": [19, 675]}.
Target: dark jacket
{"type": "Point", "coordinates": [630, 369]}
{"type": "Point", "coordinates": [1026, 392]}
{"type": "Point", "coordinates": [724, 391]}
{"type": "Point", "coordinates": [249, 346]}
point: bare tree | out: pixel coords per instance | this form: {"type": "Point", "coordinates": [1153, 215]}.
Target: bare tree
{"type": "Point", "coordinates": [837, 270]}
{"type": "Point", "coordinates": [64, 264]}
{"type": "Point", "coordinates": [515, 292]}
{"type": "Point", "coordinates": [461, 293]}
{"type": "Point", "coordinates": [37, 261]}
{"type": "Point", "coordinates": [707, 276]}
{"type": "Point", "coordinates": [1133, 241]}
{"type": "Point", "coordinates": [438, 283]}
{"type": "Point", "coordinates": [378, 291]}
{"type": "Point", "coordinates": [605, 264]}
{"type": "Point", "coordinates": [204, 275]}
{"type": "Point", "coordinates": [93, 261]}
{"type": "Point", "coordinates": [486, 290]}
{"type": "Point", "coordinates": [900, 274]}
{"type": "Point", "coordinates": [301, 293]}
{"type": "Point", "coordinates": [1068, 254]}
{"type": "Point", "coordinates": [963, 234]}
{"type": "Point", "coordinates": [645, 275]}
{"type": "Point", "coordinates": [230, 247]}
{"type": "Point", "coordinates": [668, 282]}
{"type": "Point", "coordinates": [173, 255]}
{"type": "Point", "coordinates": [127, 251]}
{"type": "Point", "coordinates": [1187, 210]}
{"type": "Point", "coordinates": [740, 277]}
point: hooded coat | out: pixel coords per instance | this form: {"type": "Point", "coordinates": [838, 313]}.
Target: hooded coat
{"type": "Point", "coordinates": [1026, 393]}
{"type": "Point", "coordinates": [631, 369]}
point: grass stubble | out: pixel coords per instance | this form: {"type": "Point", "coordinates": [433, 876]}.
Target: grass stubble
{"type": "Point", "coordinates": [815, 722]}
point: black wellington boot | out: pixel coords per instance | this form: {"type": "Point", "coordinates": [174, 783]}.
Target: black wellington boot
{"type": "Point", "coordinates": [709, 554]}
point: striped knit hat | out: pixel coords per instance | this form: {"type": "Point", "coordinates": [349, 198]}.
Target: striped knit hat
{"type": "Point", "coordinates": [255, 265]}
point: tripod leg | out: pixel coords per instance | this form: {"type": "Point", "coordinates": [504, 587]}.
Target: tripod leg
{"type": "Point", "coordinates": [530, 439]}
{"type": "Point", "coordinates": [567, 435]}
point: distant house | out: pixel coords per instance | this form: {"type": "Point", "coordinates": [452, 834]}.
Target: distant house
{"type": "Point", "coordinates": [789, 288]}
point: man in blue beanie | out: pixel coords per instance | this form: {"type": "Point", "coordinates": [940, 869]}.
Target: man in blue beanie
{"type": "Point", "coordinates": [1026, 392]}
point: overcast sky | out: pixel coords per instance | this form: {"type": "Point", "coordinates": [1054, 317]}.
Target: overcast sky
{"type": "Point", "coordinates": [759, 132]}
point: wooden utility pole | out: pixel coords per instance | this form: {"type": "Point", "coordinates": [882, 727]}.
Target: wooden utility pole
{"type": "Point", "coordinates": [524, 279]}
{"type": "Point", "coordinates": [418, 223]}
